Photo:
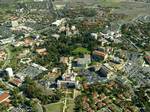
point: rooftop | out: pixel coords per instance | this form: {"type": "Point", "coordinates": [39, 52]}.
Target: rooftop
{"type": "Point", "coordinates": [99, 53]}
{"type": "Point", "coordinates": [3, 96]}
{"type": "Point", "coordinates": [16, 82]}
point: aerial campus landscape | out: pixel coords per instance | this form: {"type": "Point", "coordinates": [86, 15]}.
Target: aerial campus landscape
{"type": "Point", "coordinates": [74, 55]}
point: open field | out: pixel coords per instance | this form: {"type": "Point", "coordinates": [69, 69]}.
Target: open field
{"type": "Point", "coordinates": [127, 7]}
{"type": "Point", "coordinates": [133, 8]}
{"type": "Point", "coordinates": [54, 107]}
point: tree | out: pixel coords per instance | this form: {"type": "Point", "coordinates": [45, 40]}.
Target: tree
{"type": "Point", "coordinates": [3, 108]}
{"type": "Point", "coordinates": [78, 104]}
{"type": "Point", "coordinates": [16, 98]}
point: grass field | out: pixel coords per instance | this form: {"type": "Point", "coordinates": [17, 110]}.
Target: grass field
{"type": "Point", "coordinates": [70, 106]}
{"type": "Point", "coordinates": [80, 50]}
{"type": "Point", "coordinates": [54, 107]}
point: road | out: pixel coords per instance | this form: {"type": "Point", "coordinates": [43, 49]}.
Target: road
{"type": "Point", "coordinates": [8, 57]}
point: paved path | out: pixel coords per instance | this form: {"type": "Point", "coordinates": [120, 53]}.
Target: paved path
{"type": "Point", "coordinates": [65, 102]}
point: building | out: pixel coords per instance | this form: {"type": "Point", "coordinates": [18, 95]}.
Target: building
{"type": "Point", "coordinates": [57, 36]}
{"type": "Point", "coordinates": [64, 60]}
{"type": "Point", "coordinates": [67, 84]}
{"type": "Point", "coordinates": [14, 23]}
{"type": "Point", "coordinates": [7, 40]}
{"type": "Point", "coordinates": [32, 71]}
{"type": "Point", "coordinates": [59, 22]}
{"type": "Point", "coordinates": [6, 72]}
{"type": "Point", "coordinates": [3, 73]}
{"type": "Point", "coordinates": [16, 82]}
{"type": "Point", "coordinates": [105, 71]}
{"type": "Point", "coordinates": [2, 55]}
{"type": "Point", "coordinates": [4, 96]}
{"type": "Point", "coordinates": [95, 35]}
{"type": "Point", "coordinates": [147, 59]}
{"type": "Point", "coordinates": [16, 109]}
{"type": "Point", "coordinates": [28, 42]}
{"type": "Point", "coordinates": [69, 77]}
{"type": "Point", "coordinates": [116, 60]}
{"type": "Point", "coordinates": [42, 51]}
{"type": "Point", "coordinates": [10, 72]}
{"type": "Point", "coordinates": [82, 62]}
{"type": "Point", "coordinates": [99, 55]}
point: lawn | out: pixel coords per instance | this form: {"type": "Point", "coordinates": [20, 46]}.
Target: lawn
{"type": "Point", "coordinates": [70, 105]}
{"type": "Point", "coordinates": [54, 107]}
{"type": "Point", "coordinates": [12, 53]}
{"type": "Point", "coordinates": [80, 50]}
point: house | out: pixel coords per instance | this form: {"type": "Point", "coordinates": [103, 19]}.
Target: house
{"type": "Point", "coordinates": [14, 23]}
{"type": "Point", "coordinates": [18, 43]}
{"type": "Point", "coordinates": [95, 35]}
{"type": "Point", "coordinates": [99, 55]}
{"type": "Point", "coordinates": [23, 54]}
{"type": "Point", "coordinates": [25, 60]}
{"type": "Point", "coordinates": [56, 70]}
{"type": "Point", "coordinates": [16, 82]}
{"type": "Point", "coordinates": [57, 36]}
{"type": "Point", "coordinates": [4, 96]}
{"type": "Point", "coordinates": [42, 51]}
{"type": "Point", "coordinates": [59, 22]}
{"type": "Point", "coordinates": [7, 40]}
{"type": "Point", "coordinates": [147, 59]}
{"type": "Point", "coordinates": [2, 55]}
{"type": "Point", "coordinates": [116, 60]}
{"type": "Point", "coordinates": [64, 60]}
{"type": "Point", "coordinates": [28, 42]}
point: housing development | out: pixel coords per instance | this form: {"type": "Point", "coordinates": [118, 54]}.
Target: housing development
{"type": "Point", "coordinates": [74, 55]}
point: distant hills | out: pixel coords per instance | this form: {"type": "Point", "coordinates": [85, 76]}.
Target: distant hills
{"type": "Point", "coordinates": [7, 1]}
{"type": "Point", "coordinates": [146, 1]}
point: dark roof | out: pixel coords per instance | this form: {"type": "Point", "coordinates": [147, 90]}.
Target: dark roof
{"type": "Point", "coordinates": [147, 59]}
{"type": "Point", "coordinates": [102, 72]}
{"type": "Point", "coordinates": [3, 73]}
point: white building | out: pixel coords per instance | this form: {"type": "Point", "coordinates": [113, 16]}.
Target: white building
{"type": "Point", "coordinates": [59, 22]}
{"type": "Point", "coordinates": [10, 72]}
{"type": "Point", "coordinates": [14, 23]}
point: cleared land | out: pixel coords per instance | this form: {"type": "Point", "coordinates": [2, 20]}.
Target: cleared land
{"type": "Point", "coordinates": [128, 7]}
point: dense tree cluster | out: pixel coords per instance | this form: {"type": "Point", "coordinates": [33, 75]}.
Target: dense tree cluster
{"type": "Point", "coordinates": [65, 46]}
{"type": "Point", "coordinates": [31, 90]}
